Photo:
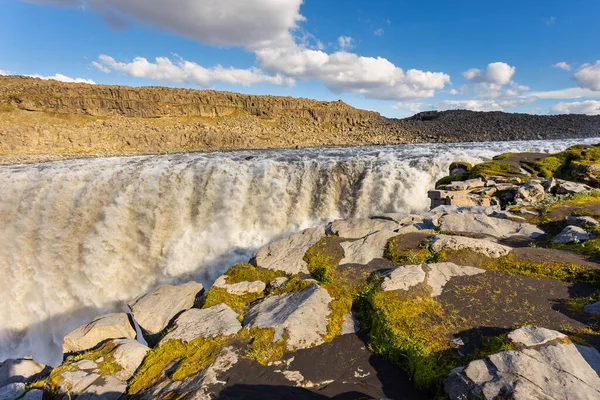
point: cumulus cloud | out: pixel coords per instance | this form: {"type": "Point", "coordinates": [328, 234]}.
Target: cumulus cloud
{"type": "Point", "coordinates": [562, 65]}
{"type": "Point", "coordinates": [181, 71]}
{"type": "Point", "coordinates": [346, 43]}
{"type": "Point", "coordinates": [497, 73]}
{"type": "Point", "coordinates": [348, 72]}
{"type": "Point", "coordinates": [63, 78]}
{"type": "Point", "coordinates": [588, 76]}
{"type": "Point", "coordinates": [250, 24]}
{"type": "Point", "coordinates": [589, 107]}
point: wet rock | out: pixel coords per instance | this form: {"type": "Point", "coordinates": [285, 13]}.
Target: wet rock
{"type": "Point", "coordinates": [24, 370]}
{"type": "Point", "coordinates": [12, 391]}
{"type": "Point", "coordinates": [104, 327]}
{"type": "Point", "coordinates": [287, 254]}
{"type": "Point", "coordinates": [239, 288]}
{"type": "Point", "coordinates": [207, 322]}
{"type": "Point", "coordinates": [546, 365]}
{"type": "Point", "coordinates": [483, 246]}
{"type": "Point", "coordinates": [496, 227]}
{"type": "Point", "coordinates": [581, 221]}
{"type": "Point", "coordinates": [359, 228]}
{"type": "Point", "coordinates": [363, 251]}
{"type": "Point", "coordinates": [302, 315]}
{"type": "Point", "coordinates": [434, 275]}
{"type": "Point", "coordinates": [155, 310]}
{"type": "Point", "coordinates": [572, 234]}
{"type": "Point", "coordinates": [566, 187]}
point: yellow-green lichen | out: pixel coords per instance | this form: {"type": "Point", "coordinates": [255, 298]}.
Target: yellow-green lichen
{"type": "Point", "coordinates": [263, 348]}
{"type": "Point", "coordinates": [237, 303]}
{"type": "Point", "coordinates": [249, 273]}
{"type": "Point", "coordinates": [321, 266]}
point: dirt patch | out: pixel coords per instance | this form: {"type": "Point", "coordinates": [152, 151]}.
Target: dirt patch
{"type": "Point", "coordinates": [591, 208]}
{"type": "Point", "coordinates": [543, 255]}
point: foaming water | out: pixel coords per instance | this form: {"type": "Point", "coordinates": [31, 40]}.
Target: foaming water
{"type": "Point", "coordinates": [82, 237]}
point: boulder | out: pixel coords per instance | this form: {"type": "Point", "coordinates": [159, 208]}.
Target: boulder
{"type": "Point", "coordinates": [12, 391]}
{"type": "Point", "coordinates": [33, 394]}
{"type": "Point", "coordinates": [363, 251]}
{"type": "Point", "coordinates": [572, 234]}
{"type": "Point", "coordinates": [462, 198]}
{"type": "Point", "coordinates": [496, 227]}
{"type": "Point", "coordinates": [24, 370]}
{"type": "Point", "coordinates": [287, 254]}
{"type": "Point", "coordinates": [359, 228]}
{"type": "Point", "coordinates": [581, 221]}
{"type": "Point", "coordinates": [433, 275]}
{"type": "Point", "coordinates": [155, 310]}
{"type": "Point", "coordinates": [469, 184]}
{"type": "Point", "coordinates": [301, 315]}
{"type": "Point", "coordinates": [566, 187]}
{"type": "Point", "coordinates": [129, 354]}
{"type": "Point", "coordinates": [531, 192]}
{"type": "Point", "coordinates": [592, 308]}
{"type": "Point", "coordinates": [240, 288]}
{"type": "Point", "coordinates": [104, 327]}
{"type": "Point", "coordinates": [483, 246]}
{"type": "Point", "coordinates": [208, 322]}
{"type": "Point", "coordinates": [550, 185]}
{"type": "Point", "coordinates": [543, 365]}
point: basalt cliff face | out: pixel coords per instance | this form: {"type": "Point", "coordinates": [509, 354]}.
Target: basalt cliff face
{"type": "Point", "coordinates": [49, 118]}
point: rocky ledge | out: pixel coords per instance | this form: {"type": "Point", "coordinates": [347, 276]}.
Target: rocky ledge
{"type": "Point", "coordinates": [492, 294]}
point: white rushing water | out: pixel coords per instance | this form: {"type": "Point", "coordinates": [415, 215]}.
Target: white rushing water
{"type": "Point", "coordinates": [80, 238]}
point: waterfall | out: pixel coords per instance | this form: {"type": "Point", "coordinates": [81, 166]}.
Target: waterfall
{"type": "Point", "coordinates": [83, 237]}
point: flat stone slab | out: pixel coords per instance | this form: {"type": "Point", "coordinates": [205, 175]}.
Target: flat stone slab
{"type": "Point", "coordinates": [572, 234]}
{"type": "Point", "coordinates": [104, 327]}
{"type": "Point", "coordinates": [542, 369]}
{"type": "Point", "coordinates": [359, 228]}
{"type": "Point", "coordinates": [581, 221]}
{"type": "Point", "coordinates": [156, 309]}
{"type": "Point", "coordinates": [208, 322]}
{"type": "Point", "coordinates": [484, 224]}
{"type": "Point", "coordinates": [287, 254]}
{"type": "Point", "coordinates": [363, 251]}
{"type": "Point", "coordinates": [566, 187]}
{"type": "Point", "coordinates": [240, 288]}
{"type": "Point", "coordinates": [483, 246]}
{"type": "Point", "coordinates": [434, 275]}
{"type": "Point", "coordinates": [301, 315]}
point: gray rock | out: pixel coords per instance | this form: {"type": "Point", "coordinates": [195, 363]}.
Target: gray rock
{"type": "Point", "coordinates": [359, 228]}
{"type": "Point", "coordinates": [458, 198]}
{"type": "Point", "coordinates": [531, 192]}
{"type": "Point", "coordinates": [550, 185]}
{"type": "Point", "coordinates": [394, 217]}
{"type": "Point", "coordinates": [24, 370]}
{"type": "Point", "coordinates": [104, 327]}
{"type": "Point", "coordinates": [434, 275]}
{"type": "Point", "coordinates": [592, 308]}
{"type": "Point", "coordinates": [572, 234]}
{"type": "Point", "coordinates": [530, 336]}
{"type": "Point", "coordinates": [581, 221]}
{"type": "Point", "coordinates": [208, 322]}
{"type": "Point", "coordinates": [466, 185]}
{"type": "Point", "coordinates": [12, 391]}
{"type": "Point", "coordinates": [85, 365]}
{"type": "Point", "coordinates": [105, 388]}
{"type": "Point", "coordinates": [363, 251]}
{"type": "Point", "coordinates": [302, 315]}
{"type": "Point", "coordinates": [129, 354]}
{"type": "Point", "coordinates": [540, 369]}
{"type": "Point", "coordinates": [33, 394]}
{"type": "Point", "coordinates": [483, 246]}
{"type": "Point", "coordinates": [72, 383]}
{"type": "Point", "coordinates": [278, 283]}
{"type": "Point", "coordinates": [155, 310]}
{"type": "Point", "coordinates": [287, 254]}
{"type": "Point", "coordinates": [496, 227]}
{"type": "Point", "coordinates": [507, 215]}
{"type": "Point", "coordinates": [350, 325]}
{"type": "Point", "coordinates": [566, 187]}
{"type": "Point", "coordinates": [240, 288]}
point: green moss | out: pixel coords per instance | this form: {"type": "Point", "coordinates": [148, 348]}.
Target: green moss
{"type": "Point", "coordinates": [460, 165]}
{"type": "Point", "coordinates": [249, 273]}
{"type": "Point", "coordinates": [320, 266]}
{"type": "Point", "coordinates": [503, 156]}
{"type": "Point", "coordinates": [563, 164]}
{"type": "Point", "coordinates": [190, 358]}
{"type": "Point", "coordinates": [263, 349]}
{"type": "Point", "coordinates": [423, 255]}
{"type": "Point", "coordinates": [575, 306]}
{"type": "Point", "coordinates": [493, 168]}
{"type": "Point", "coordinates": [451, 178]}
{"type": "Point", "coordinates": [590, 248]}
{"type": "Point", "coordinates": [237, 303]}
{"type": "Point", "coordinates": [295, 284]}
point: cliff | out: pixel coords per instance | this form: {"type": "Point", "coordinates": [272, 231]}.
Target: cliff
{"type": "Point", "coordinates": [49, 119]}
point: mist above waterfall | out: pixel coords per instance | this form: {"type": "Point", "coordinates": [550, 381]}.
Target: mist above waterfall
{"type": "Point", "coordinates": [83, 237]}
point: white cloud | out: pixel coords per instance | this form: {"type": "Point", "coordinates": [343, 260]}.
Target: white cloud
{"type": "Point", "coordinates": [497, 73]}
{"type": "Point", "coordinates": [588, 76]}
{"type": "Point", "coordinates": [562, 65]}
{"type": "Point", "coordinates": [346, 43]}
{"type": "Point", "coordinates": [100, 67]}
{"type": "Point", "coordinates": [379, 32]}
{"type": "Point", "coordinates": [569, 93]}
{"type": "Point", "coordinates": [348, 72]}
{"type": "Point", "coordinates": [472, 73]}
{"type": "Point", "coordinates": [412, 107]}
{"type": "Point", "coordinates": [589, 107]}
{"type": "Point", "coordinates": [453, 92]}
{"type": "Point", "coordinates": [3, 72]}
{"type": "Point", "coordinates": [181, 71]}
{"type": "Point", "coordinates": [482, 105]}
{"type": "Point", "coordinates": [251, 24]}
{"type": "Point", "coordinates": [63, 78]}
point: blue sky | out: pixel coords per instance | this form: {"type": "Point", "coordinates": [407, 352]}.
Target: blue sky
{"type": "Point", "coordinates": [394, 57]}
